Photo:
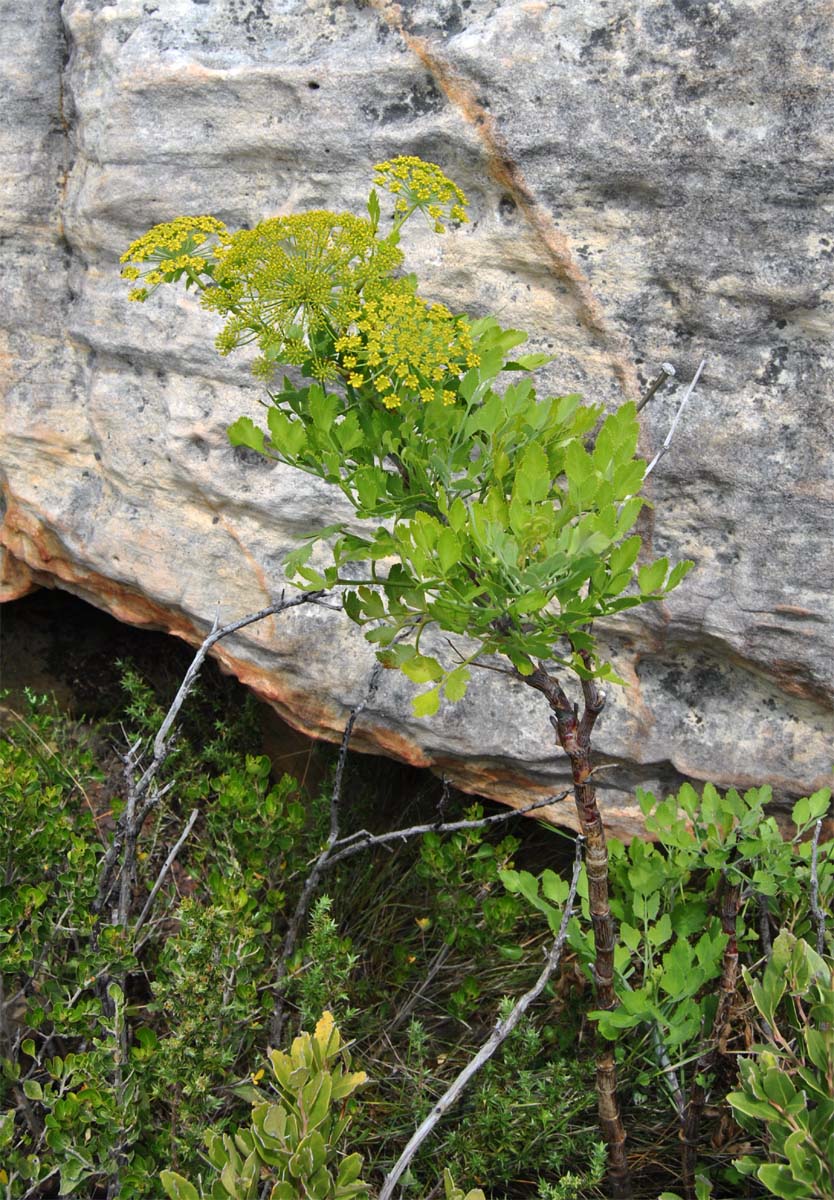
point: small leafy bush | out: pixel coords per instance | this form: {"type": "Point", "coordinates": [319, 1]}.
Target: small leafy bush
{"type": "Point", "coordinates": [664, 899]}
{"type": "Point", "coordinates": [787, 1084]}
{"type": "Point", "coordinates": [520, 1117]}
{"type": "Point", "coordinates": [297, 1141]}
{"type": "Point", "coordinates": [323, 967]}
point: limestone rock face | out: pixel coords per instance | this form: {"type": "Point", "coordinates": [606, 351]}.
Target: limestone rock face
{"type": "Point", "coordinates": [648, 183]}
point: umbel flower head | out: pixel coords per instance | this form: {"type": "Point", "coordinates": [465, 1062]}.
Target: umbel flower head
{"type": "Point", "coordinates": [182, 246]}
{"type": "Point", "coordinates": [292, 277]}
{"type": "Point", "coordinates": [421, 185]}
{"type": "Point", "coordinates": [402, 347]}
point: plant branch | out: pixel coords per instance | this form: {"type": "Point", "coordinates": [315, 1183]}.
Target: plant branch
{"type": "Point", "coordinates": [668, 442]}
{"type": "Point", "coordinates": [293, 934]}
{"type": "Point", "coordinates": [574, 736]}
{"type": "Point", "coordinates": [816, 912]}
{"type": "Point", "coordinates": [362, 840]}
{"type": "Point", "coordinates": [667, 371]}
{"type": "Point", "coordinates": [499, 1034]}
{"type": "Point", "coordinates": [166, 867]}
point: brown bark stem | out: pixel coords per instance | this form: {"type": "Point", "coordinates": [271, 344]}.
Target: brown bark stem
{"type": "Point", "coordinates": [574, 734]}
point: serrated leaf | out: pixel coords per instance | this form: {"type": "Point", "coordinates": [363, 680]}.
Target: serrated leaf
{"type": "Point", "coordinates": [427, 703]}
{"type": "Point", "coordinates": [651, 577]}
{"type": "Point", "coordinates": [624, 556]}
{"type": "Point", "coordinates": [448, 549]}
{"type": "Point", "coordinates": [678, 573]}
{"type": "Point", "coordinates": [244, 432]}
{"type": "Point", "coordinates": [421, 668]}
{"type": "Point", "coordinates": [289, 437]}
{"type": "Point", "coordinates": [554, 888]}
{"type": "Point", "coordinates": [349, 433]}
{"type": "Point", "coordinates": [456, 682]}
{"type": "Point", "coordinates": [528, 362]}
{"type": "Point", "coordinates": [323, 407]}
{"type": "Point", "coordinates": [532, 477]}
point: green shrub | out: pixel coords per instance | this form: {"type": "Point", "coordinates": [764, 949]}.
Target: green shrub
{"type": "Point", "coordinates": [787, 1084]}
{"type": "Point", "coordinates": [296, 1142]}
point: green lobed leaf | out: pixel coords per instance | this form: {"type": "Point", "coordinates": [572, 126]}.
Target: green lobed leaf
{"type": "Point", "coordinates": [650, 578]}
{"type": "Point", "coordinates": [244, 432]}
{"type": "Point", "coordinates": [421, 668]}
{"type": "Point", "coordinates": [456, 682]}
{"type": "Point", "coordinates": [427, 703]}
{"type": "Point", "coordinates": [288, 436]}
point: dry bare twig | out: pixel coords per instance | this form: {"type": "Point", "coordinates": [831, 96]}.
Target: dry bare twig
{"type": "Point", "coordinates": [816, 912]}
{"type": "Point", "coordinates": [291, 937]}
{"type": "Point", "coordinates": [667, 371]}
{"type": "Point", "coordinates": [166, 867]}
{"type": "Point", "coordinates": [668, 440]}
{"type": "Point", "coordinates": [499, 1034]}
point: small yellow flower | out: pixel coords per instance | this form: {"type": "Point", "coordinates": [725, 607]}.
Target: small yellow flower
{"type": "Point", "coordinates": [420, 184]}
{"type": "Point", "coordinates": [356, 380]}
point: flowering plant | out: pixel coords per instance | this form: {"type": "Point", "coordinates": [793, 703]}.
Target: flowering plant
{"type": "Point", "coordinates": [497, 515]}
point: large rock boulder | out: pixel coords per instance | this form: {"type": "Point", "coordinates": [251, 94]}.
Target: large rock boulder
{"type": "Point", "coordinates": [648, 183]}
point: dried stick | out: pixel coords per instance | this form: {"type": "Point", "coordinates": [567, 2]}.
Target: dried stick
{"type": "Point", "coordinates": [574, 734]}
{"type": "Point", "coordinates": [667, 443]}
{"type": "Point", "coordinates": [137, 809]}
{"type": "Point", "coordinates": [166, 867]}
{"type": "Point", "coordinates": [669, 1072]}
{"type": "Point", "coordinates": [362, 840]}
{"type": "Point", "coordinates": [728, 908]}
{"type": "Point", "coordinates": [499, 1034]}
{"type": "Point", "coordinates": [816, 912]}
{"type": "Point", "coordinates": [291, 937]}
{"type": "Point", "coordinates": [667, 371]}
{"type": "Point", "coordinates": [162, 740]}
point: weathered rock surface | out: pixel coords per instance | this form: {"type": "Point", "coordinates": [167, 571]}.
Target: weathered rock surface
{"type": "Point", "coordinates": [649, 182]}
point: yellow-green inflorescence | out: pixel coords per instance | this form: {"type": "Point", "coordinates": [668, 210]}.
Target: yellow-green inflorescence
{"type": "Point", "coordinates": [317, 290]}
{"type": "Point", "coordinates": [292, 277]}
{"type": "Point", "coordinates": [421, 185]}
{"type": "Point", "coordinates": [401, 346]}
{"type": "Point", "coordinates": [169, 248]}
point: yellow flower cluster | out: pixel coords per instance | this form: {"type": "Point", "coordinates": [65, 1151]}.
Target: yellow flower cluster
{"type": "Point", "coordinates": [402, 346]}
{"type": "Point", "coordinates": [421, 185]}
{"type": "Point", "coordinates": [291, 277]}
{"type": "Point", "coordinates": [170, 246]}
